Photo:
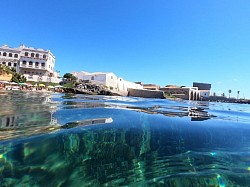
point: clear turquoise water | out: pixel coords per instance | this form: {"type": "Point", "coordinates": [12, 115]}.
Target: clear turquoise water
{"type": "Point", "coordinates": [80, 140]}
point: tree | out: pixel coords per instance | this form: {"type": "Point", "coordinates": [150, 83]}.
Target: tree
{"type": "Point", "coordinates": [69, 77]}
{"type": "Point", "coordinates": [238, 93]}
{"type": "Point", "coordinates": [229, 91]}
{"type": "Point", "coordinates": [18, 78]}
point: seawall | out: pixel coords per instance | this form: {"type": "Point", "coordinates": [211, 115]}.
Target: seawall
{"type": "Point", "coordinates": [146, 93]}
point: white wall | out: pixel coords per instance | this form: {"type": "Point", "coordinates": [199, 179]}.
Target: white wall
{"type": "Point", "coordinates": [108, 79]}
{"type": "Point", "coordinates": [204, 93]}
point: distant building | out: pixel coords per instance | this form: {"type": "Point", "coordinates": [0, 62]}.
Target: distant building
{"type": "Point", "coordinates": [204, 89]}
{"type": "Point", "coordinates": [151, 86]}
{"type": "Point", "coordinates": [202, 86]}
{"type": "Point", "coordinates": [109, 79]}
{"type": "Point", "coordinates": [35, 64]}
{"type": "Point", "coordinates": [187, 93]}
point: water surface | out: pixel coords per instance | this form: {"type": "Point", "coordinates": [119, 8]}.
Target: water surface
{"type": "Point", "coordinates": [80, 140]}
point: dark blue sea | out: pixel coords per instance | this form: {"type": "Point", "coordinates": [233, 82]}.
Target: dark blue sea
{"type": "Point", "coordinates": [80, 140]}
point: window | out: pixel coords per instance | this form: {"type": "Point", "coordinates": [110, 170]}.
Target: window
{"type": "Point", "coordinates": [4, 54]}
{"type": "Point", "coordinates": [24, 62]}
{"type": "Point", "coordinates": [26, 54]}
{"type": "Point", "coordinates": [92, 78]}
{"type": "Point", "coordinates": [37, 63]}
{"type": "Point", "coordinates": [0, 53]}
{"type": "Point", "coordinates": [4, 63]}
{"type": "Point", "coordinates": [25, 71]}
{"type": "Point", "coordinates": [44, 56]}
{"type": "Point", "coordinates": [37, 55]}
{"type": "Point", "coordinates": [30, 63]}
{"type": "Point", "coordinates": [32, 55]}
{"type": "Point", "coordinates": [43, 64]}
{"type": "Point", "coordinates": [16, 55]}
{"type": "Point", "coordinates": [10, 54]}
{"type": "Point", "coordinates": [9, 64]}
{"type": "Point", "coordinates": [111, 77]}
{"type": "Point", "coordinates": [15, 64]}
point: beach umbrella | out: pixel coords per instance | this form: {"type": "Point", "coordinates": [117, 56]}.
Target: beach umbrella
{"type": "Point", "coordinates": [41, 85]}
{"type": "Point", "coordinates": [51, 87]}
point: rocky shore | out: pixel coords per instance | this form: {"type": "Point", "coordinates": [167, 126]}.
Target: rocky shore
{"type": "Point", "coordinates": [90, 89]}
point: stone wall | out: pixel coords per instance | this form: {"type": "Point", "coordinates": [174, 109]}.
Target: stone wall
{"type": "Point", "coordinates": [145, 93]}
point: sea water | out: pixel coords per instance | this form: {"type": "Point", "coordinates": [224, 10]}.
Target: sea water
{"type": "Point", "coordinates": [81, 140]}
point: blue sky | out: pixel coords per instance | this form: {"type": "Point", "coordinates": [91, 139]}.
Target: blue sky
{"type": "Point", "coordinates": [160, 41]}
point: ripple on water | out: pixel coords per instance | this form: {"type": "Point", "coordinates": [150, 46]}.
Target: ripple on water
{"type": "Point", "coordinates": [80, 140]}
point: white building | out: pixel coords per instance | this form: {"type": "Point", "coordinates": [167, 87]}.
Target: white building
{"type": "Point", "coordinates": [110, 80]}
{"type": "Point", "coordinates": [35, 64]}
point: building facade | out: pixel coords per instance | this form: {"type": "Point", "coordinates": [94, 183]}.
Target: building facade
{"type": "Point", "coordinates": [35, 64]}
{"type": "Point", "coordinates": [109, 79]}
{"type": "Point", "coordinates": [204, 89]}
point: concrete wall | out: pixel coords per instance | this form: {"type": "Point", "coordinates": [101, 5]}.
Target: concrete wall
{"type": "Point", "coordinates": [182, 93]}
{"type": "Point", "coordinates": [145, 93]}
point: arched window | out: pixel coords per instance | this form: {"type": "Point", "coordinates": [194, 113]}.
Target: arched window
{"type": "Point", "coordinates": [4, 63]}
{"type": "Point", "coordinates": [0, 53]}
{"type": "Point", "coordinates": [15, 64]}
{"type": "Point", "coordinates": [30, 63]}
{"type": "Point", "coordinates": [4, 54]}
{"type": "Point", "coordinates": [37, 55]}
{"type": "Point", "coordinates": [43, 64]}
{"type": "Point", "coordinates": [37, 63]}
{"type": "Point", "coordinates": [10, 54]}
{"type": "Point", "coordinates": [24, 62]}
{"type": "Point", "coordinates": [44, 56]}
{"type": "Point", "coordinates": [16, 55]}
{"type": "Point", "coordinates": [26, 54]}
{"type": "Point", "coordinates": [32, 55]}
{"type": "Point", "coordinates": [9, 64]}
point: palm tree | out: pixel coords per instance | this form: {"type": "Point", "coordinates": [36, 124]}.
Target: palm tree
{"type": "Point", "coordinates": [229, 91]}
{"type": "Point", "coordinates": [238, 93]}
